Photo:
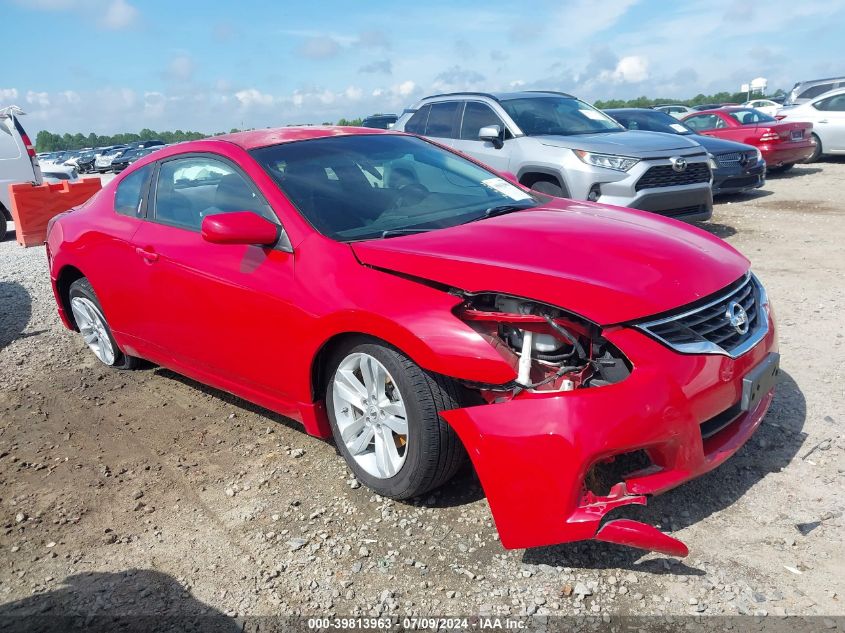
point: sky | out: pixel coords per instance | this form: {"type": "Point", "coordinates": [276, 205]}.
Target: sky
{"type": "Point", "coordinates": [109, 66]}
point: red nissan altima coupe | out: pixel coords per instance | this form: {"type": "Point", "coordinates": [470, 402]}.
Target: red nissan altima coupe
{"type": "Point", "coordinates": [421, 310]}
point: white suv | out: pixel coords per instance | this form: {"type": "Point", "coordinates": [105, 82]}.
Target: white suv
{"type": "Point", "coordinates": [561, 146]}
{"type": "Point", "coordinates": [17, 161]}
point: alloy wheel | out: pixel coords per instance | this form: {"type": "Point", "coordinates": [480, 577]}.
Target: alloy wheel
{"type": "Point", "coordinates": [93, 328]}
{"type": "Point", "coordinates": [370, 415]}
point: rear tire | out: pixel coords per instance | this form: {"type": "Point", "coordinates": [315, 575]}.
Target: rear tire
{"type": "Point", "coordinates": [89, 318]}
{"type": "Point", "coordinates": [2, 227]}
{"type": "Point", "coordinates": [818, 151]}
{"type": "Point", "coordinates": [431, 452]}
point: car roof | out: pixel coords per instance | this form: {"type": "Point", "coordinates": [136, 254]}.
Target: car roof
{"type": "Point", "coordinates": [273, 136]}
{"type": "Point", "coordinates": [503, 96]}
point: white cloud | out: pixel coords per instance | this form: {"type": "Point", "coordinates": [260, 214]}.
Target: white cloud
{"type": "Point", "coordinates": [405, 89]}
{"type": "Point", "coordinates": [119, 15]}
{"type": "Point", "coordinates": [630, 69]}
{"type": "Point", "coordinates": [353, 93]}
{"type": "Point", "coordinates": [38, 98]}
{"type": "Point", "coordinates": [8, 94]}
{"type": "Point", "coordinates": [252, 97]}
{"type": "Point", "coordinates": [154, 104]}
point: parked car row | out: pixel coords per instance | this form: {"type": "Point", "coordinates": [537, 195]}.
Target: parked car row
{"type": "Point", "coordinates": [98, 159]}
{"type": "Point", "coordinates": [669, 159]}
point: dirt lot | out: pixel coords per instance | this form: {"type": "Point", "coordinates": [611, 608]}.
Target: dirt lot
{"type": "Point", "coordinates": [143, 491]}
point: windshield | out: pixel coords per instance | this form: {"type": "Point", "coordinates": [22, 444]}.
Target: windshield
{"type": "Point", "coordinates": [362, 187]}
{"type": "Point", "coordinates": [650, 121]}
{"type": "Point", "coordinates": [564, 116]}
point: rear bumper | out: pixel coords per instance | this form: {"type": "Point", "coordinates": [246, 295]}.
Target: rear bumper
{"type": "Point", "coordinates": [787, 153]}
{"type": "Point", "coordinates": [533, 453]}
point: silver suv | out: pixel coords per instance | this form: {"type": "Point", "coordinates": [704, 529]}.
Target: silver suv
{"type": "Point", "coordinates": [561, 146]}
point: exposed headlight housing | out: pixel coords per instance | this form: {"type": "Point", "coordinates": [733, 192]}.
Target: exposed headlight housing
{"type": "Point", "coordinates": [608, 161]}
{"type": "Point", "coordinates": [712, 161]}
{"type": "Point", "coordinates": [549, 348]}
{"type": "Point", "coordinates": [759, 154]}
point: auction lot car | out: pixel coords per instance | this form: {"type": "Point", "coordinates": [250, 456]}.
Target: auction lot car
{"type": "Point", "coordinates": [827, 114]}
{"type": "Point", "coordinates": [18, 162]}
{"type": "Point", "coordinates": [561, 146]}
{"type": "Point", "coordinates": [379, 289]}
{"type": "Point", "coordinates": [782, 143]}
{"type": "Point", "coordinates": [736, 167]}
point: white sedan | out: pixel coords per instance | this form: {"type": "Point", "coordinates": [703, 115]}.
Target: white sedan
{"type": "Point", "coordinates": [827, 114]}
{"type": "Point", "coordinates": [766, 106]}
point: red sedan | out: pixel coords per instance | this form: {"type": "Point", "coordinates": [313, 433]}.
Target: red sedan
{"type": "Point", "coordinates": [421, 309]}
{"type": "Point", "coordinates": [782, 143]}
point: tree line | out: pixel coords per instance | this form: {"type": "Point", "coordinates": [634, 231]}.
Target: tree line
{"type": "Point", "coordinates": [699, 99]}
{"type": "Point", "coordinates": [48, 142]}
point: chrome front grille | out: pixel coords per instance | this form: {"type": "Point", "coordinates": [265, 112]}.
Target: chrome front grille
{"type": "Point", "coordinates": [729, 159]}
{"type": "Point", "coordinates": [709, 329]}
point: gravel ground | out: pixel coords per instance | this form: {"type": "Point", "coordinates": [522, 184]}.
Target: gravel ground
{"type": "Point", "coordinates": [143, 491]}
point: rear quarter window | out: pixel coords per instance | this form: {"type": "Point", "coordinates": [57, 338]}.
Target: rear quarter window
{"type": "Point", "coordinates": [130, 192]}
{"type": "Point", "coordinates": [416, 124]}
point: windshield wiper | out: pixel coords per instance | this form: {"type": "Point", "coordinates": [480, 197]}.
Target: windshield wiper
{"type": "Point", "coordinates": [502, 209]}
{"type": "Point", "coordinates": [397, 232]}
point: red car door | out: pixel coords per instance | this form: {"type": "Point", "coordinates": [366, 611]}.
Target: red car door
{"type": "Point", "coordinates": [219, 309]}
{"type": "Point", "coordinates": [118, 220]}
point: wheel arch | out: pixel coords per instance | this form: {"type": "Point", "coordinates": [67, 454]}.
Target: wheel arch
{"type": "Point", "coordinates": [5, 212]}
{"type": "Point", "coordinates": [67, 275]}
{"type": "Point", "coordinates": [529, 176]}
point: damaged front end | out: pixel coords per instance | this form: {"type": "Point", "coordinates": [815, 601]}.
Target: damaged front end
{"type": "Point", "coordinates": [584, 429]}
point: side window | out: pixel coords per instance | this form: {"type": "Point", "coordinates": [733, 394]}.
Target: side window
{"type": "Point", "coordinates": [188, 189]}
{"type": "Point", "coordinates": [476, 116]}
{"type": "Point", "coordinates": [416, 124]}
{"type": "Point", "coordinates": [815, 91]}
{"type": "Point", "coordinates": [442, 119]}
{"type": "Point", "coordinates": [835, 103]}
{"type": "Point", "coordinates": [701, 122]}
{"type": "Point", "coordinates": [130, 192]}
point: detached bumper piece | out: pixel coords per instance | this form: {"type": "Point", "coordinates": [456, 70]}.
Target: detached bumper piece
{"type": "Point", "coordinates": [642, 536]}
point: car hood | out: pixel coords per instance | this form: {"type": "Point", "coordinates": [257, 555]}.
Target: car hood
{"type": "Point", "coordinates": [635, 143]}
{"type": "Point", "coordinates": [607, 264]}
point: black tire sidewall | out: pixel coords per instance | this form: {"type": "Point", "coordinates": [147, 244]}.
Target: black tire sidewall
{"type": "Point", "coordinates": [82, 288]}
{"type": "Point", "coordinates": [556, 190]}
{"type": "Point", "coordinates": [3, 226]}
{"type": "Point", "coordinates": [409, 474]}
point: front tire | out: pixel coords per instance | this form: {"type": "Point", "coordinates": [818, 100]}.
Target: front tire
{"type": "Point", "coordinates": [2, 227]}
{"type": "Point", "coordinates": [549, 188]}
{"type": "Point", "coordinates": [88, 316]}
{"type": "Point", "coordinates": [384, 414]}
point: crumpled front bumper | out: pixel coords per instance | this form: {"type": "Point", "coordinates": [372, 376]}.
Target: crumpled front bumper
{"type": "Point", "coordinates": [533, 453]}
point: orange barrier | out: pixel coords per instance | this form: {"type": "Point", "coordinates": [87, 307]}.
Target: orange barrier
{"type": "Point", "coordinates": [32, 207]}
